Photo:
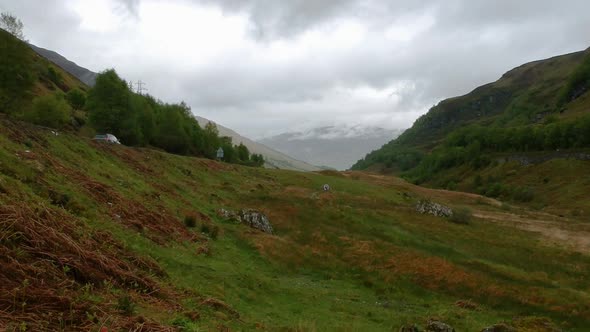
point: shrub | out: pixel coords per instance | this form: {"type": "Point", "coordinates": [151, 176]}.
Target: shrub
{"type": "Point", "coordinates": [190, 221]}
{"type": "Point", "coordinates": [523, 194]}
{"type": "Point", "coordinates": [205, 229]}
{"type": "Point", "coordinates": [461, 216]}
{"type": "Point", "coordinates": [76, 98]}
{"type": "Point", "coordinates": [54, 76]}
{"type": "Point", "coordinates": [80, 117]}
{"type": "Point", "coordinates": [494, 190]}
{"type": "Point", "coordinates": [126, 305]}
{"type": "Point", "coordinates": [51, 111]}
{"type": "Point", "coordinates": [451, 185]}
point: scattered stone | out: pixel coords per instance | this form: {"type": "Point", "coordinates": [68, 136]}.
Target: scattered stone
{"type": "Point", "coordinates": [437, 326]}
{"type": "Point", "coordinates": [256, 219]}
{"type": "Point", "coordinates": [466, 304]}
{"type": "Point", "coordinates": [428, 207]}
{"type": "Point", "coordinates": [250, 217]}
{"type": "Point", "coordinates": [409, 328]}
{"type": "Point", "coordinates": [499, 328]}
{"type": "Point", "coordinates": [227, 214]}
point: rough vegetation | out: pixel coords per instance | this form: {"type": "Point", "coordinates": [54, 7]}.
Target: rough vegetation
{"type": "Point", "coordinates": [34, 90]}
{"type": "Point", "coordinates": [538, 112]}
{"type": "Point", "coordinates": [250, 217]}
{"type": "Point", "coordinates": [90, 237]}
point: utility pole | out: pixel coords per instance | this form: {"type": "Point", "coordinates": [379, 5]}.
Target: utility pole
{"type": "Point", "coordinates": [130, 85]}
{"type": "Point", "coordinates": [140, 88]}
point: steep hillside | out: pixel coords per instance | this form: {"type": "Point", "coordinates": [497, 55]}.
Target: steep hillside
{"type": "Point", "coordinates": [83, 74]}
{"type": "Point", "coordinates": [272, 158]}
{"type": "Point", "coordinates": [337, 147]}
{"type": "Point", "coordinates": [531, 116]}
{"type": "Point", "coordinates": [101, 235]}
{"type": "Point", "coordinates": [25, 75]}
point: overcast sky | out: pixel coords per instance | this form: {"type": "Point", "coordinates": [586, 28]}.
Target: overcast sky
{"type": "Point", "coordinates": [268, 66]}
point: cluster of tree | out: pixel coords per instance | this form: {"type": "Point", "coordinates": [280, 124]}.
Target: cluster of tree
{"type": "Point", "coordinates": [110, 106]}
{"type": "Point", "coordinates": [472, 145]}
{"type": "Point", "coordinates": [141, 120]}
{"type": "Point", "coordinates": [393, 156]}
{"type": "Point", "coordinates": [12, 25]}
{"type": "Point", "coordinates": [16, 73]}
{"type": "Point", "coordinates": [556, 135]}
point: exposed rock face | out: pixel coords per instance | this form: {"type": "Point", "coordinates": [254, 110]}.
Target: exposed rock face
{"type": "Point", "coordinates": [250, 217]}
{"type": "Point", "coordinates": [435, 209]}
{"type": "Point", "coordinates": [436, 326]}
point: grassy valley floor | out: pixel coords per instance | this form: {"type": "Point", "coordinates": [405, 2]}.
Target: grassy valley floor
{"type": "Point", "coordinates": [94, 235]}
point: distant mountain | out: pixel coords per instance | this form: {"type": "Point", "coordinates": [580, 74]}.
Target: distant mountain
{"type": "Point", "coordinates": [333, 146]}
{"type": "Point", "coordinates": [274, 159]}
{"type": "Point", "coordinates": [86, 76]}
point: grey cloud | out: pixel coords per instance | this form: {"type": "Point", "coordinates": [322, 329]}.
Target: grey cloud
{"type": "Point", "coordinates": [271, 19]}
{"type": "Point", "coordinates": [130, 6]}
{"type": "Point", "coordinates": [469, 43]}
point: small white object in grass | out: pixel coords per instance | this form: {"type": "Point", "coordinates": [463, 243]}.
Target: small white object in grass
{"type": "Point", "coordinates": [326, 187]}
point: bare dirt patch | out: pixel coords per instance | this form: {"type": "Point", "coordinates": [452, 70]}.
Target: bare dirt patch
{"type": "Point", "coordinates": [565, 233]}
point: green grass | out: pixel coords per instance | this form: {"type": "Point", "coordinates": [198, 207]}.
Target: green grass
{"type": "Point", "coordinates": [355, 259]}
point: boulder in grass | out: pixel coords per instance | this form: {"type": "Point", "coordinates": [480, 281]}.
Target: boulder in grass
{"type": "Point", "coordinates": [250, 217]}
{"type": "Point", "coordinates": [438, 326]}
{"type": "Point", "coordinates": [429, 207]}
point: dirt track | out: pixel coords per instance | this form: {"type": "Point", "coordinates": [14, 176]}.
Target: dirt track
{"type": "Point", "coordinates": [567, 233]}
{"type": "Point", "coordinates": [558, 231]}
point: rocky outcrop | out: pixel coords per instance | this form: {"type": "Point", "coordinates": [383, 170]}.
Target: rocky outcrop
{"type": "Point", "coordinates": [437, 326]}
{"type": "Point", "coordinates": [250, 217]}
{"type": "Point", "coordinates": [428, 207]}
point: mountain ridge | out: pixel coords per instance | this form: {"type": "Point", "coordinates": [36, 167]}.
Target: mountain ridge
{"type": "Point", "coordinates": [463, 141]}
{"type": "Point", "coordinates": [87, 76]}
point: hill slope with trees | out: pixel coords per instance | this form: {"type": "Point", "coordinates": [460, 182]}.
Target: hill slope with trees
{"type": "Point", "coordinates": [35, 90]}
{"type": "Point", "coordinates": [540, 108]}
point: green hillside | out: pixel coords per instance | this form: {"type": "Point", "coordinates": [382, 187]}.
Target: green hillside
{"type": "Point", "coordinates": [38, 91]}
{"type": "Point", "coordinates": [532, 116]}
{"type": "Point", "coordinates": [97, 237]}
